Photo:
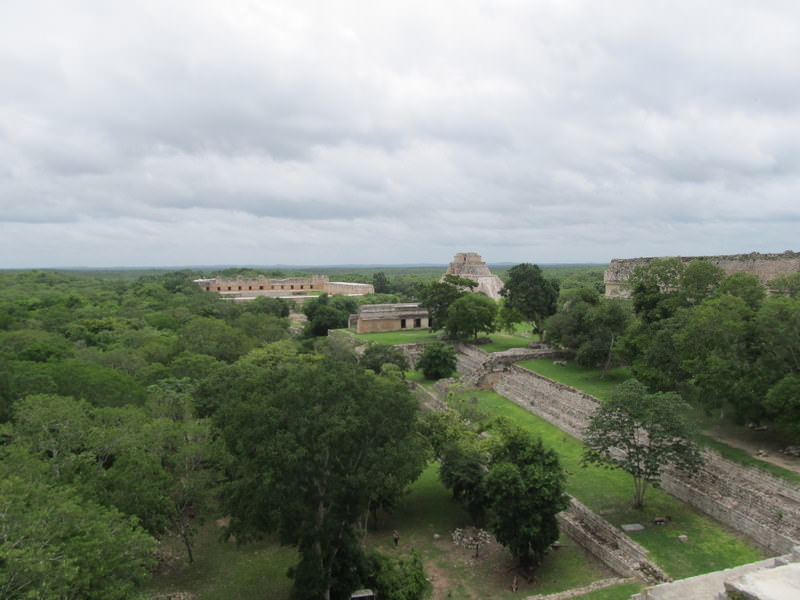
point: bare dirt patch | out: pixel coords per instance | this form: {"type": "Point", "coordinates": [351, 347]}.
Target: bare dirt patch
{"type": "Point", "coordinates": [763, 445]}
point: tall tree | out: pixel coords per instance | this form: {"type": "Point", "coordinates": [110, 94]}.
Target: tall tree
{"type": "Point", "coordinates": [529, 294]}
{"type": "Point", "coordinates": [588, 325]}
{"type": "Point", "coordinates": [438, 296]}
{"type": "Point", "coordinates": [310, 455]}
{"type": "Point", "coordinates": [470, 315]}
{"type": "Point", "coordinates": [715, 346]}
{"type": "Point", "coordinates": [437, 361]}
{"type": "Point", "coordinates": [641, 434]}
{"type": "Point", "coordinates": [524, 488]}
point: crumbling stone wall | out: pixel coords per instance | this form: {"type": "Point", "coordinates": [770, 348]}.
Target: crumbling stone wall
{"type": "Point", "coordinates": [412, 352]}
{"type": "Point", "coordinates": [764, 266]}
{"type": "Point", "coordinates": [749, 500]}
{"type": "Point", "coordinates": [608, 544]}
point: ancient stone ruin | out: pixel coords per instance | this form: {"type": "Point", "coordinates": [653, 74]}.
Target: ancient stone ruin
{"type": "Point", "coordinates": [251, 287]}
{"type": "Point", "coordinates": [469, 265]}
{"type": "Point", "coordinates": [764, 266]}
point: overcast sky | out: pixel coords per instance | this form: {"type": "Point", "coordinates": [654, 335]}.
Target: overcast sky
{"type": "Point", "coordinates": [173, 132]}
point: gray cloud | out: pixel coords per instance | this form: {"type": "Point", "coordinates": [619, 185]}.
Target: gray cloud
{"type": "Point", "coordinates": [190, 132]}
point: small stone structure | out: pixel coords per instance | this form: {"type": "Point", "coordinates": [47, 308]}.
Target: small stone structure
{"type": "Point", "coordinates": [764, 266]}
{"type": "Point", "coordinates": [389, 317]}
{"type": "Point", "coordinates": [469, 265]}
{"type": "Point", "coordinates": [251, 287]}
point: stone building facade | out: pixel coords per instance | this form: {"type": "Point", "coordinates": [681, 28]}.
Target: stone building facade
{"type": "Point", "coordinates": [373, 318]}
{"type": "Point", "coordinates": [245, 287]}
{"type": "Point", "coordinates": [764, 266]}
{"type": "Point", "coordinates": [470, 265]}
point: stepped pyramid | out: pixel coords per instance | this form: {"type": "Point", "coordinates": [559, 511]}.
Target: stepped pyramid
{"type": "Point", "coordinates": [469, 265]}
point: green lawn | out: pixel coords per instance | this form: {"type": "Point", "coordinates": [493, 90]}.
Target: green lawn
{"type": "Point", "coordinates": [390, 338]}
{"type": "Point", "coordinates": [521, 337]}
{"type": "Point", "coordinates": [592, 381]}
{"type": "Point", "coordinates": [428, 509]}
{"type": "Point", "coordinates": [609, 493]}
{"type": "Point", "coordinates": [225, 571]}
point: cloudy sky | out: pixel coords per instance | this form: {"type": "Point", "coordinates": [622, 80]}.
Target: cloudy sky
{"type": "Point", "coordinates": [199, 132]}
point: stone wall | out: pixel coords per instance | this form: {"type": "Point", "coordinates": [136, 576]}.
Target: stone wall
{"type": "Point", "coordinates": [608, 544]}
{"type": "Point", "coordinates": [263, 286]}
{"type": "Point", "coordinates": [747, 499]}
{"type": "Point", "coordinates": [764, 266]}
{"type": "Point", "coordinates": [412, 353]}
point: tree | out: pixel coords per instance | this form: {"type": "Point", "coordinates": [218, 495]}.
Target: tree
{"type": "Point", "coordinates": [715, 345]}
{"type": "Point", "coordinates": [700, 280]}
{"type": "Point", "coordinates": [325, 318]}
{"type": "Point", "coordinates": [783, 402]}
{"type": "Point", "coordinates": [529, 294]}
{"type": "Point", "coordinates": [470, 315]}
{"type": "Point", "coordinates": [641, 434]}
{"type": "Point", "coordinates": [438, 296]}
{"type": "Point", "coordinates": [377, 355]}
{"type": "Point", "coordinates": [56, 544]}
{"type": "Point", "coordinates": [381, 283]}
{"type": "Point", "coordinates": [788, 286]}
{"type": "Point", "coordinates": [462, 469]}
{"type": "Point", "coordinates": [654, 289]}
{"type": "Point", "coordinates": [437, 361]}
{"type": "Point", "coordinates": [524, 488]}
{"type": "Point", "coordinates": [309, 457]}
{"type": "Point", "coordinates": [588, 325]}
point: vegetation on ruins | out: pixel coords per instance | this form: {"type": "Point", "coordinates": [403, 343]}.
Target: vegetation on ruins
{"type": "Point", "coordinates": [529, 297]}
{"type": "Point", "coordinates": [437, 361]}
{"type": "Point", "coordinates": [720, 342]}
{"type": "Point", "coordinates": [641, 434]}
{"type": "Point", "coordinates": [312, 455]}
{"type": "Point", "coordinates": [375, 356]}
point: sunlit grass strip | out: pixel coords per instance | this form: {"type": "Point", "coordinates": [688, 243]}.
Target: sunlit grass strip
{"type": "Point", "coordinates": [592, 382]}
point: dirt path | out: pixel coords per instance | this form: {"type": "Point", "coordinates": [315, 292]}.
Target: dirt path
{"type": "Point", "coordinates": [762, 447]}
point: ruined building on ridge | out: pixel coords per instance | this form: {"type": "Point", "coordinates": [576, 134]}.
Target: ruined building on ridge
{"type": "Point", "coordinates": [469, 265]}
{"type": "Point", "coordinates": [764, 266]}
{"type": "Point", "coordinates": [251, 287]}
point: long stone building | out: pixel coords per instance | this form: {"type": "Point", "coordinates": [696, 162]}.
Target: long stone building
{"type": "Point", "coordinates": [249, 287]}
{"type": "Point", "coordinates": [764, 266]}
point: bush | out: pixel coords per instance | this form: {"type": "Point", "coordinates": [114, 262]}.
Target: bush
{"type": "Point", "coordinates": [397, 579]}
{"type": "Point", "coordinates": [438, 360]}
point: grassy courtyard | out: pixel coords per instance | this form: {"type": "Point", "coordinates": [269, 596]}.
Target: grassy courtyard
{"type": "Point", "coordinates": [227, 571]}
{"type": "Point", "coordinates": [609, 493]}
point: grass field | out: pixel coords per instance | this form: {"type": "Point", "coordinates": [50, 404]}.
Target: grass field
{"type": "Point", "coordinates": [225, 571]}
{"type": "Point", "coordinates": [500, 341]}
{"type": "Point", "coordinates": [609, 493]}
{"type": "Point", "coordinates": [592, 381]}
{"type": "Point", "coordinates": [391, 338]}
